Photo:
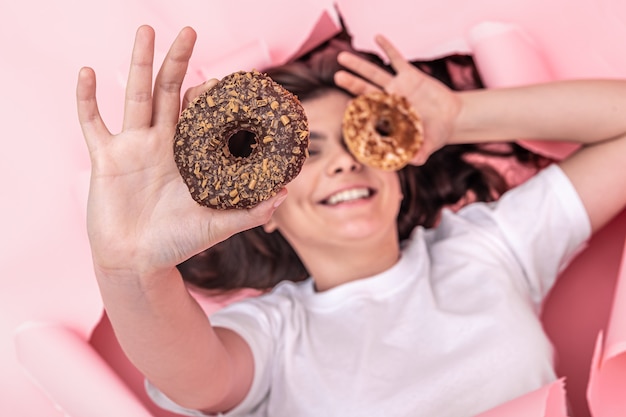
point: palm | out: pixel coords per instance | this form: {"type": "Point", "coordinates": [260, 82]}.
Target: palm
{"type": "Point", "coordinates": [138, 184]}
{"type": "Point", "coordinates": [140, 213]}
{"type": "Point", "coordinates": [436, 104]}
{"type": "Point", "coordinates": [432, 100]}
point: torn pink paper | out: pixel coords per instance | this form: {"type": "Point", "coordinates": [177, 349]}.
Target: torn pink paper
{"type": "Point", "coordinates": [606, 392]}
{"type": "Point", "coordinates": [74, 376]}
{"type": "Point", "coordinates": [578, 39]}
{"type": "Point", "coordinates": [547, 401]}
{"type": "Point", "coordinates": [256, 53]}
{"type": "Point", "coordinates": [327, 25]}
{"type": "Point", "coordinates": [47, 269]}
{"type": "Point", "coordinates": [252, 55]}
{"type": "Point", "coordinates": [506, 56]}
{"type": "Point", "coordinates": [616, 332]}
{"type": "Point", "coordinates": [550, 42]}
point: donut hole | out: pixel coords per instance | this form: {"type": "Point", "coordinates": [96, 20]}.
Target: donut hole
{"type": "Point", "coordinates": [383, 126]}
{"type": "Point", "coordinates": [242, 143]}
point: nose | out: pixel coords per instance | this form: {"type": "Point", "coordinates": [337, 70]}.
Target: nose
{"type": "Point", "coordinates": [342, 161]}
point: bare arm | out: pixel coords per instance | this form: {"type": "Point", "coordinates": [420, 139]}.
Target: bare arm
{"type": "Point", "coordinates": [583, 111]}
{"type": "Point", "coordinates": [142, 222]}
{"type": "Point", "coordinates": [590, 112]}
{"type": "Point", "coordinates": [598, 173]}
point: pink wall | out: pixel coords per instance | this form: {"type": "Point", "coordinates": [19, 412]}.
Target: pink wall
{"type": "Point", "coordinates": [48, 278]}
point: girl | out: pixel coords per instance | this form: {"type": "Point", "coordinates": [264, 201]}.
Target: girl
{"type": "Point", "coordinates": [441, 322]}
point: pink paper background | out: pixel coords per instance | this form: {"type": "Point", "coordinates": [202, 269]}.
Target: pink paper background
{"type": "Point", "coordinates": [49, 304]}
{"type": "Point", "coordinates": [546, 401]}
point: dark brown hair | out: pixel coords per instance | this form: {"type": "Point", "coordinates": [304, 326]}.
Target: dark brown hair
{"type": "Point", "coordinates": [256, 259]}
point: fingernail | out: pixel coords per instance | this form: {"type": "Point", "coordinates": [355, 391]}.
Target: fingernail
{"type": "Point", "coordinates": [210, 83]}
{"type": "Point", "coordinates": [280, 197]}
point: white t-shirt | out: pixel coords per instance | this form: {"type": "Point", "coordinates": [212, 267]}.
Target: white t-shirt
{"type": "Point", "coordinates": [451, 330]}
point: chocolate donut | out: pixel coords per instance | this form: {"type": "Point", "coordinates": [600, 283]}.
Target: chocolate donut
{"type": "Point", "coordinates": [382, 130]}
{"type": "Point", "coordinates": [240, 142]}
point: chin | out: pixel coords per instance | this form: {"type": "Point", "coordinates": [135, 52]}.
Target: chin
{"type": "Point", "coordinates": [363, 231]}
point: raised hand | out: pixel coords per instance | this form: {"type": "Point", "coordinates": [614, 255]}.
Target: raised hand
{"type": "Point", "coordinates": [437, 105]}
{"type": "Point", "coordinates": [141, 218]}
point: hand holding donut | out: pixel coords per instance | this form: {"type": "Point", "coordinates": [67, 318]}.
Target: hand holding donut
{"type": "Point", "coordinates": [141, 218]}
{"type": "Point", "coordinates": [436, 104]}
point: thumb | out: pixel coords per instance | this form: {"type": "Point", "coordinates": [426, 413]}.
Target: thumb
{"type": "Point", "coordinates": [195, 91]}
{"type": "Point", "coordinates": [265, 210]}
{"type": "Point", "coordinates": [235, 221]}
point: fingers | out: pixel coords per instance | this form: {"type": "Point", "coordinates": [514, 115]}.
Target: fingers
{"type": "Point", "coordinates": [370, 76]}
{"type": "Point", "coordinates": [166, 104]}
{"type": "Point", "coordinates": [421, 156]}
{"type": "Point", "coordinates": [138, 104]}
{"type": "Point", "coordinates": [396, 59]}
{"type": "Point", "coordinates": [194, 92]}
{"type": "Point", "coordinates": [225, 223]}
{"type": "Point", "coordinates": [369, 71]}
{"type": "Point", "coordinates": [88, 114]}
{"type": "Point", "coordinates": [353, 84]}
{"type": "Point", "coordinates": [261, 214]}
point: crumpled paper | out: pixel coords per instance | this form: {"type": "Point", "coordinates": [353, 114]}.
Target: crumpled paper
{"type": "Point", "coordinates": [47, 277]}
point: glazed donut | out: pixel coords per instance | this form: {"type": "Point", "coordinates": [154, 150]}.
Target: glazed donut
{"type": "Point", "coordinates": [240, 142]}
{"type": "Point", "coordinates": [382, 130]}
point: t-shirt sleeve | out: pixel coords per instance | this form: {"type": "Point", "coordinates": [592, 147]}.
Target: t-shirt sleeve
{"type": "Point", "coordinates": [252, 320]}
{"type": "Point", "coordinates": [165, 403]}
{"type": "Point", "coordinates": [543, 222]}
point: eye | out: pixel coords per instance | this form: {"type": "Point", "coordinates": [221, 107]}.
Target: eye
{"type": "Point", "coordinates": [315, 144]}
{"type": "Point", "coordinates": [313, 151]}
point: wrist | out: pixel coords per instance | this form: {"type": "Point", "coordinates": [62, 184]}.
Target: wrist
{"type": "Point", "coordinates": [466, 128]}
{"type": "Point", "coordinates": [135, 278]}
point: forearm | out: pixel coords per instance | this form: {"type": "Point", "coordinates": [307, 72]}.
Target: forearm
{"type": "Point", "coordinates": [586, 112]}
{"type": "Point", "coordinates": [167, 336]}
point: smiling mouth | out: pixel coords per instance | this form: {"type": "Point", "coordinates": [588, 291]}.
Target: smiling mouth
{"type": "Point", "coordinates": [348, 196]}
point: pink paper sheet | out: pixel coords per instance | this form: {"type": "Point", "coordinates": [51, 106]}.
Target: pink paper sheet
{"type": "Point", "coordinates": [547, 401]}
{"type": "Point", "coordinates": [578, 38]}
{"type": "Point", "coordinates": [506, 56]}
{"type": "Point", "coordinates": [47, 273]}
{"type": "Point", "coordinates": [77, 380]}
{"type": "Point", "coordinates": [607, 383]}
{"type": "Point", "coordinates": [514, 41]}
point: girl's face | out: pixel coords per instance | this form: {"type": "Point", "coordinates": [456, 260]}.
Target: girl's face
{"type": "Point", "coordinates": [335, 199]}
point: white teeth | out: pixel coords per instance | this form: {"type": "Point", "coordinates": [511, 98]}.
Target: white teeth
{"type": "Point", "coordinates": [348, 195]}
